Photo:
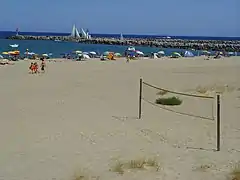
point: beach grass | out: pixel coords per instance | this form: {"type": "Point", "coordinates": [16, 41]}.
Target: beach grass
{"type": "Point", "coordinates": [84, 175]}
{"type": "Point", "coordinates": [117, 167]}
{"type": "Point", "coordinates": [235, 172]}
{"type": "Point", "coordinates": [139, 163]}
{"type": "Point", "coordinates": [162, 92]}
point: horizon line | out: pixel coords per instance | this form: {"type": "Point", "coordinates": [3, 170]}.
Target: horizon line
{"type": "Point", "coordinates": [120, 33]}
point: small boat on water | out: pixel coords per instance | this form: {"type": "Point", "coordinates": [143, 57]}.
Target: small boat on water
{"type": "Point", "coordinates": [14, 45]}
{"type": "Point", "coordinates": [57, 40]}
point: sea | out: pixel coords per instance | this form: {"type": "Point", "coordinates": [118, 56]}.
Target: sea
{"type": "Point", "coordinates": [59, 48]}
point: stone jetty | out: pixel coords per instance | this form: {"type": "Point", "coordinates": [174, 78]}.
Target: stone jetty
{"type": "Point", "coordinates": [210, 45]}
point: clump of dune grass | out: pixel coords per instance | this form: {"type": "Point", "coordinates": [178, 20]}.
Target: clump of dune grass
{"type": "Point", "coordinates": [118, 167]}
{"type": "Point", "coordinates": [81, 175]}
{"type": "Point", "coordinates": [235, 173]}
{"type": "Point", "coordinates": [162, 92]}
{"type": "Point", "coordinates": [84, 175]}
{"type": "Point", "coordinates": [136, 164]}
{"type": "Point", "coordinates": [215, 88]}
{"type": "Point", "coordinates": [201, 90]}
{"type": "Point", "coordinates": [203, 167]}
{"type": "Point", "coordinates": [140, 164]}
{"type": "Point", "coordinates": [169, 101]}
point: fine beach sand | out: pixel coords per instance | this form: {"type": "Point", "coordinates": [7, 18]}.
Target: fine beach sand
{"type": "Point", "coordinates": [82, 116]}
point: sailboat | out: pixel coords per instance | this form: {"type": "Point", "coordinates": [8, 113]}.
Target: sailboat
{"type": "Point", "coordinates": [121, 37]}
{"type": "Point", "coordinates": [88, 35]}
{"type": "Point", "coordinates": [14, 45]}
{"type": "Point", "coordinates": [75, 32]}
{"type": "Point", "coordinates": [84, 34]}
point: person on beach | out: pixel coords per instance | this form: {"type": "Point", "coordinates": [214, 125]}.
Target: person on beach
{"type": "Point", "coordinates": [43, 65]}
{"type": "Point", "coordinates": [35, 65]}
{"type": "Point", "coordinates": [31, 68]}
{"type": "Point", "coordinates": [128, 57]}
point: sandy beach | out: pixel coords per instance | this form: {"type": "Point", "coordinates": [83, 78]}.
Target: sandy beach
{"type": "Point", "coordinates": [80, 117]}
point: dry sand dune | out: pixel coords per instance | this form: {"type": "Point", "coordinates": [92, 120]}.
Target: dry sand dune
{"type": "Point", "coordinates": [83, 115]}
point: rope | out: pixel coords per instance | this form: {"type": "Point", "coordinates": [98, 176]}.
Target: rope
{"type": "Point", "coordinates": [181, 113]}
{"type": "Point", "coordinates": [179, 93]}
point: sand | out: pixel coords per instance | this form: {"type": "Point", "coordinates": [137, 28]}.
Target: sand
{"type": "Point", "coordinates": [82, 116]}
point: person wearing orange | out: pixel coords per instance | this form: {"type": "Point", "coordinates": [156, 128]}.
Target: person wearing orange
{"type": "Point", "coordinates": [31, 68]}
{"type": "Point", "coordinates": [36, 67]}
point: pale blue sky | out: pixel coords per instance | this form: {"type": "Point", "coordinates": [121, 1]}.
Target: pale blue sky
{"type": "Point", "coordinates": [163, 17]}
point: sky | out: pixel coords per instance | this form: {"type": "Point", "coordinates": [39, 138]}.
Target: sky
{"type": "Point", "coordinates": [159, 17]}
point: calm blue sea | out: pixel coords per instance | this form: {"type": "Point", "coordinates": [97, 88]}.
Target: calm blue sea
{"type": "Point", "coordinates": [58, 48]}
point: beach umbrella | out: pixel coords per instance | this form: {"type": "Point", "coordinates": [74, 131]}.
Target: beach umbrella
{"type": "Point", "coordinates": [45, 55]}
{"type": "Point", "coordinates": [131, 48]}
{"type": "Point", "coordinates": [161, 52]}
{"type": "Point", "coordinates": [205, 52]}
{"type": "Point", "coordinates": [188, 54]}
{"type": "Point", "coordinates": [107, 53]}
{"type": "Point", "coordinates": [1, 57]}
{"type": "Point", "coordinates": [14, 53]}
{"type": "Point", "coordinates": [85, 56]}
{"type": "Point", "coordinates": [93, 53]}
{"type": "Point", "coordinates": [117, 54]}
{"type": "Point", "coordinates": [139, 52]}
{"type": "Point", "coordinates": [78, 52]}
{"type": "Point", "coordinates": [29, 53]}
{"type": "Point", "coordinates": [85, 53]}
{"type": "Point", "coordinates": [176, 54]}
{"type": "Point", "coordinates": [6, 53]}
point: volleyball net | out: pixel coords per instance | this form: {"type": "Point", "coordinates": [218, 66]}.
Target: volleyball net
{"type": "Point", "coordinates": [186, 104]}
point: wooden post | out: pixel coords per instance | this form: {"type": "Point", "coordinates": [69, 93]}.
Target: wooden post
{"type": "Point", "coordinates": [218, 123]}
{"type": "Point", "coordinates": [140, 100]}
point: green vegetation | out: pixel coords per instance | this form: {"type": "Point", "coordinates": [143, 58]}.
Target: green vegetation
{"type": "Point", "coordinates": [169, 101]}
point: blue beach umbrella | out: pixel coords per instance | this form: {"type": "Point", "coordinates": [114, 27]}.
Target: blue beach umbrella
{"type": "Point", "coordinates": [106, 53]}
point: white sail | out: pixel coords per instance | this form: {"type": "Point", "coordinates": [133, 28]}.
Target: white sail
{"type": "Point", "coordinates": [84, 34]}
{"type": "Point", "coordinates": [121, 37]}
{"type": "Point", "coordinates": [73, 31]}
{"type": "Point", "coordinates": [76, 33]}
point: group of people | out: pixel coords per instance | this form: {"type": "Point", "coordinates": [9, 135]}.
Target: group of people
{"type": "Point", "coordinates": [34, 68]}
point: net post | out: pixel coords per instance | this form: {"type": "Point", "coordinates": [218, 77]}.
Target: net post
{"type": "Point", "coordinates": [218, 123]}
{"type": "Point", "coordinates": [140, 100]}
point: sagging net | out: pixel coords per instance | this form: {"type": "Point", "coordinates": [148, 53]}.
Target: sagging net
{"type": "Point", "coordinates": [198, 106]}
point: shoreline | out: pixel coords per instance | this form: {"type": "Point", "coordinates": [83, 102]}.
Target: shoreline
{"type": "Point", "coordinates": [210, 45]}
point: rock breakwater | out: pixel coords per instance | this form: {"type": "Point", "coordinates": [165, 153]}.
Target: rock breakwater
{"type": "Point", "coordinates": [211, 45]}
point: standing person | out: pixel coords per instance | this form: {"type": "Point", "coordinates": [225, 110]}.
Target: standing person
{"type": "Point", "coordinates": [31, 68]}
{"type": "Point", "coordinates": [43, 65]}
{"type": "Point", "coordinates": [36, 68]}
{"type": "Point", "coordinates": [128, 57]}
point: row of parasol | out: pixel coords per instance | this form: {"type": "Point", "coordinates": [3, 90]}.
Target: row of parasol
{"type": "Point", "coordinates": [12, 53]}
